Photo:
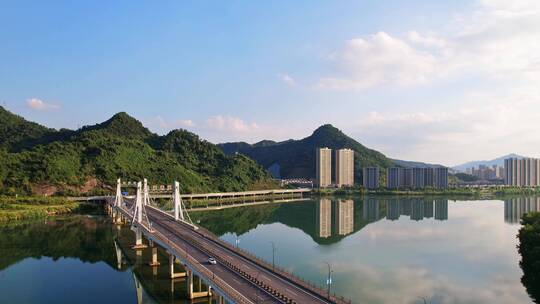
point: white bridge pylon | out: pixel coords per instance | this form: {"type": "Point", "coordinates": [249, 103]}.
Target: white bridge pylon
{"type": "Point", "coordinates": [177, 201]}
{"type": "Point", "coordinates": [119, 199]}
{"type": "Point", "coordinates": [142, 199]}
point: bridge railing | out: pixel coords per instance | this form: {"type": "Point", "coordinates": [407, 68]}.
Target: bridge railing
{"type": "Point", "coordinates": [232, 293]}
{"type": "Point", "coordinates": [279, 271]}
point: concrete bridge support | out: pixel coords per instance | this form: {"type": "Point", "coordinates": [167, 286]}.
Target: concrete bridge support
{"type": "Point", "coordinates": [171, 268]}
{"type": "Point", "coordinates": [198, 294]}
{"type": "Point", "coordinates": [154, 261]}
{"type": "Point", "coordinates": [138, 240]}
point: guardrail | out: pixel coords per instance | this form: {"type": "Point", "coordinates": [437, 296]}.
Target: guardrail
{"type": "Point", "coordinates": [318, 290]}
{"type": "Point", "coordinates": [232, 293]}
{"type": "Point", "coordinates": [284, 274]}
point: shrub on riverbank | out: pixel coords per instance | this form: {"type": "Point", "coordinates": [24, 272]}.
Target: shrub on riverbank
{"type": "Point", "coordinates": [13, 209]}
{"type": "Point", "coordinates": [529, 248]}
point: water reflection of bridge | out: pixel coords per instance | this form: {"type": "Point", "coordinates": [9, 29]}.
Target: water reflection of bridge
{"type": "Point", "coordinates": [515, 208]}
{"type": "Point", "coordinates": [337, 218]}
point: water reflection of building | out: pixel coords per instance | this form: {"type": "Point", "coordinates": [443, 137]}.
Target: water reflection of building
{"type": "Point", "coordinates": [514, 209]}
{"type": "Point", "coordinates": [405, 207]}
{"type": "Point", "coordinates": [392, 209]}
{"type": "Point", "coordinates": [371, 209]}
{"type": "Point", "coordinates": [441, 210]}
{"type": "Point", "coordinates": [344, 215]}
{"type": "Point", "coordinates": [417, 209]}
{"type": "Point", "coordinates": [335, 218]}
{"type": "Point", "coordinates": [428, 209]}
{"type": "Point", "coordinates": [324, 217]}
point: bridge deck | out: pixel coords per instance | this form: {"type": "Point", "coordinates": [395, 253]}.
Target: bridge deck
{"type": "Point", "coordinates": [244, 279]}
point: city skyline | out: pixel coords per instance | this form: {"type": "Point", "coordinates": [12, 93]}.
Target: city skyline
{"type": "Point", "coordinates": [443, 77]}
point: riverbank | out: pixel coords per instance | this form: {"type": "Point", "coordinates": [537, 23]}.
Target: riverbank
{"type": "Point", "coordinates": [22, 208]}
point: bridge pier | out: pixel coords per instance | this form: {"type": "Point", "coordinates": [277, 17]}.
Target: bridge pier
{"type": "Point", "coordinates": [138, 240]}
{"type": "Point", "coordinates": [199, 294]}
{"type": "Point", "coordinates": [155, 261]}
{"type": "Point", "coordinates": [171, 268]}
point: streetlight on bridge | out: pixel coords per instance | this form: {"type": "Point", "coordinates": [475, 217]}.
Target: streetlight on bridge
{"type": "Point", "coordinates": [329, 278]}
{"type": "Point", "coordinates": [273, 255]}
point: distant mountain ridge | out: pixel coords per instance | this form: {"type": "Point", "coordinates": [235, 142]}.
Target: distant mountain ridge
{"type": "Point", "coordinates": [497, 161]}
{"type": "Point", "coordinates": [410, 164]}
{"type": "Point", "coordinates": [36, 159]}
{"type": "Point", "coordinates": [296, 158]}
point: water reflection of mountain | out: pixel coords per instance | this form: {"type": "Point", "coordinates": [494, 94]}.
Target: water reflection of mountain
{"type": "Point", "coordinates": [515, 208]}
{"type": "Point", "coordinates": [326, 220]}
{"type": "Point", "coordinates": [88, 240]}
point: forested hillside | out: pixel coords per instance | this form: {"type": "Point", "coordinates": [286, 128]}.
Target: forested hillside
{"type": "Point", "coordinates": [36, 159]}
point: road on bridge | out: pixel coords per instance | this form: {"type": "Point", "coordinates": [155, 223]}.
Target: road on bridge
{"type": "Point", "coordinates": [233, 267]}
{"type": "Point", "coordinates": [178, 232]}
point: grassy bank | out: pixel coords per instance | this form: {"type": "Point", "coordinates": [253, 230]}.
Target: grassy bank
{"type": "Point", "coordinates": [13, 209]}
{"type": "Point", "coordinates": [529, 248]}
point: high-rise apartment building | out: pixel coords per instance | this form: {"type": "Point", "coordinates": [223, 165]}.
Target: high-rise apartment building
{"type": "Point", "coordinates": [522, 172]}
{"type": "Point", "coordinates": [394, 178]}
{"type": "Point", "coordinates": [418, 178]}
{"type": "Point", "coordinates": [344, 168]}
{"type": "Point", "coordinates": [440, 178]}
{"type": "Point", "coordinates": [407, 177]}
{"type": "Point", "coordinates": [429, 177]}
{"type": "Point", "coordinates": [323, 167]}
{"type": "Point", "coordinates": [371, 177]}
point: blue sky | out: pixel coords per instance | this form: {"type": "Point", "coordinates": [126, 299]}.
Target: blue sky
{"type": "Point", "coordinates": [421, 80]}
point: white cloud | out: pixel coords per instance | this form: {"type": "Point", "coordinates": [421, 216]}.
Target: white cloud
{"type": "Point", "coordinates": [186, 123]}
{"type": "Point", "coordinates": [229, 123]}
{"type": "Point", "coordinates": [428, 41]}
{"type": "Point", "coordinates": [500, 39]}
{"type": "Point", "coordinates": [379, 59]}
{"type": "Point", "coordinates": [287, 79]}
{"type": "Point", "coordinates": [39, 105]}
{"type": "Point", "coordinates": [164, 125]}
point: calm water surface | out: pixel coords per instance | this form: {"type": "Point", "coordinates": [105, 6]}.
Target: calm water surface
{"type": "Point", "coordinates": [381, 251]}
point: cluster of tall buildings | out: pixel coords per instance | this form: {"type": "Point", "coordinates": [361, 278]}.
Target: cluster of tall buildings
{"type": "Point", "coordinates": [343, 167]}
{"type": "Point", "coordinates": [522, 172]}
{"type": "Point", "coordinates": [416, 178]}
{"type": "Point", "coordinates": [370, 177]}
{"type": "Point", "coordinates": [484, 172]}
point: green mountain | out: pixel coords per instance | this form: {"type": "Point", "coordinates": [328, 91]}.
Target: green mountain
{"type": "Point", "coordinates": [16, 133]}
{"type": "Point", "coordinates": [296, 158]}
{"type": "Point", "coordinates": [36, 159]}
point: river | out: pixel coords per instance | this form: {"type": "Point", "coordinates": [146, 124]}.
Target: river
{"type": "Point", "coordinates": [380, 250]}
